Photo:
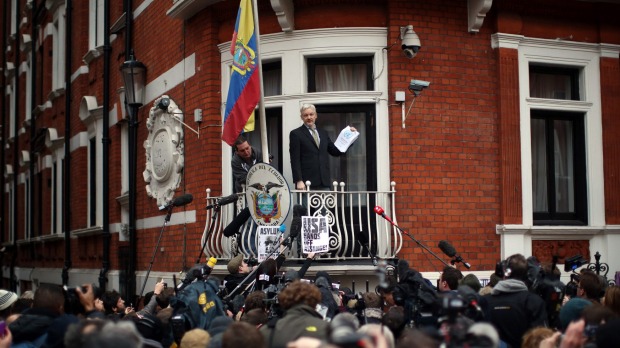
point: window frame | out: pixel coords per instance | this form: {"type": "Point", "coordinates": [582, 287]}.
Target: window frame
{"type": "Point", "coordinates": [313, 62]}
{"type": "Point", "coordinates": [552, 217]}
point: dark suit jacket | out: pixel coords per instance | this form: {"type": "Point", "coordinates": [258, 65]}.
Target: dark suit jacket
{"type": "Point", "coordinates": [309, 162]}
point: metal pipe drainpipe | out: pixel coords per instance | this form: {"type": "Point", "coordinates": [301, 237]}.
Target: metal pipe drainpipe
{"type": "Point", "coordinates": [105, 264]}
{"type": "Point", "coordinates": [32, 177]}
{"type": "Point", "coordinates": [66, 197]}
{"type": "Point", "coordinates": [13, 282]}
{"type": "Point", "coordinates": [3, 134]}
{"type": "Point", "coordinates": [130, 289]}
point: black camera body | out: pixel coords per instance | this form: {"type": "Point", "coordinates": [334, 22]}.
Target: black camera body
{"type": "Point", "coordinates": [72, 300]}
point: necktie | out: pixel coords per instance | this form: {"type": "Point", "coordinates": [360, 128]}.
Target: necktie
{"type": "Point", "coordinates": [315, 136]}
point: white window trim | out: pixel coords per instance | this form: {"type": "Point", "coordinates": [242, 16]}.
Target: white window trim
{"type": "Point", "coordinates": [95, 23]}
{"type": "Point", "coordinates": [92, 116]}
{"type": "Point", "coordinates": [586, 56]}
{"type": "Point", "coordinates": [292, 49]}
{"type": "Point", "coordinates": [58, 54]}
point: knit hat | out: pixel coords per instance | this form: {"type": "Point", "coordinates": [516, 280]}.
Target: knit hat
{"type": "Point", "coordinates": [234, 263]}
{"type": "Point", "coordinates": [572, 311]}
{"type": "Point", "coordinates": [7, 298]}
{"type": "Point", "coordinates": [195, 338]}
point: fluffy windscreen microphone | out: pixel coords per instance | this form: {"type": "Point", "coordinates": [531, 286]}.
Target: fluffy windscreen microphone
{"type": "Point", "coordinates": [447, 248]}
{"type": "Point", "coordinates": [234, 226]}
{"type": "Point", "coordinates": [298, 212]}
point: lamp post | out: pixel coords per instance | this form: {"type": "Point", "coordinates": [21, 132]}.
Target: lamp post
{"type": "Point", "coordinates": [134, 78]}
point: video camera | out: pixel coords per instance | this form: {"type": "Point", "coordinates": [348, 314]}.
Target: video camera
{"type": "Point", "coordinates": [72, 300]}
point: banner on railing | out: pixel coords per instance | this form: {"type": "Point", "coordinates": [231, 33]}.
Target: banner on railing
{"type": "Point", "coordinates": [314, 234]}
{"type": "Point", "coordinates": [268, 241]}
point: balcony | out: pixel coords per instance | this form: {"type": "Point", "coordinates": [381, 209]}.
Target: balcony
{"type": "Point", "coordinates": [351, 220]}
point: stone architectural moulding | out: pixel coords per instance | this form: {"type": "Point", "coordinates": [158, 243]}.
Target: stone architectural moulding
{"type": "Point", "coordinates": [476, 12]}
{"type": "Point", "coordinates": [164, 151]}
{"type": "Point", "coordinates": [284, 10]}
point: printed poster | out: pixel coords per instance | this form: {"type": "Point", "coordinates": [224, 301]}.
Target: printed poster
{"type": "Point", "coordinates": [314, 234]}
{"type": "Point", "coordinates": [268, 242]}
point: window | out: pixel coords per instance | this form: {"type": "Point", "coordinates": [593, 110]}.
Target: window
{"type": "Point", "coordinates": [559, 191]}
{"type": "Point", "coordinates": [58, 49]}
{"type": "Point", "coordinates": [56, 187]}
{"type": "Point", "coordinates": [272, 78]}
{"type": "Point", "coordinates": [358, 168]}
{"type": "Point", "coordinates": [340, 74]}
{"type": "Point", "coordinates": [92, 182]}
{"type": "Point", "coordinates": [12, 110]}
{"type": "Point", "coordinates": [14, 18]}
{"type": "Point", "coordinates": [28, 93]}
{"type": "Point", "coordinates": [27, 211]}
{"type": "Point", "coordinates": [10, 216]}
{"type": "Point", "coordinates": [95, 23]}
{"type": "Point", "coordinates": [274, 129]}
{"type": "Point", "coordinates": [558, 168]}
{"type": "Point", "coordinates": [554, 83]}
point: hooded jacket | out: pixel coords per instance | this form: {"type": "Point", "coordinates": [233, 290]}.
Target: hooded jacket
{"type": "Point", "coordinates": [513, 310]}
{"type": "Point", "coordinates": [298, 321]}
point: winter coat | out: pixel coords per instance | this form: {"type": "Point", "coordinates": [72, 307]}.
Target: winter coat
{"type": "Point", "coordinates": [513, 310]}
{"type": "Point", "coordinates": [298, 321]}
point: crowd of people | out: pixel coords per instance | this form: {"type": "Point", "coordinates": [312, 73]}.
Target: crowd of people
{"type": "Point", "coordinates": [262, 306]}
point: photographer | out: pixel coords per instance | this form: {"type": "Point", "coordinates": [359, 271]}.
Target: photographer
{"type": "Point", "coordinates": [298, 300]}
{"type": "Point", "coordinates": [511, 307]}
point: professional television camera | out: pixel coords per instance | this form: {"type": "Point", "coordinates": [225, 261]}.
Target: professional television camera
{"type": "Point", "coordinates": [546, 284]}
{"type": "Point", "coordinates": [416, 295]}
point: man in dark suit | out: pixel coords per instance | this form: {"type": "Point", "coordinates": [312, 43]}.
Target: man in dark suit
{"type": "Point", "coordinates": [309, 148]}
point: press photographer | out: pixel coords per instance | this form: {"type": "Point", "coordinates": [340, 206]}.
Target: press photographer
{"type": "Point", "coordinates": [511, 307]}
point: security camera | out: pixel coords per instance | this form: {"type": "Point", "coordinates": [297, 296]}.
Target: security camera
{"type": "Point", "coordinates": [416, 86]}
{"type": "Point", "coordinates": [410, 41]}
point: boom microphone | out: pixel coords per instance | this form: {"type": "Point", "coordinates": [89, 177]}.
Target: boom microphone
{"type": "Point", "coordinates": [298, 212]}
{"type": "Point", "coordinates": [178, 202]}
{"type": "Point", "coordinates": [224, 201]}
{"type": "Point", "coordinates": [381, 212]}
{"type": "Point", "coordinates": [447, 248]}
{"type": "Point", "coordinates": [234, 226]}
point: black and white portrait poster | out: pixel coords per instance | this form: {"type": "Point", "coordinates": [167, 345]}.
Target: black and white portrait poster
{"type": "Point", "coordinates": [268, 241]}
{"type": "Point", "coordinates": [314, 234]}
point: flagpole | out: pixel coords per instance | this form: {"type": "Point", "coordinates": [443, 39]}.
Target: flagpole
{"type": "Point", "coordinates": [261, 101]}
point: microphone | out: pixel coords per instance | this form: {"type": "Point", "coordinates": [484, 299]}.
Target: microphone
{"type": "Point", "coordinates": [381, 212]}
{"type": "Point", "coordinates": [363, 240]}
{"type": "Point", "coordinates": [234, 226]}
{"type": "Point", "coordinates": [178, 202]}
{"type": "Point", "coordinates": [298, 212]}
{"type": "Point", "coordinates": [447, 248]}
{"type": "Point", "coordinates": [223, 201]}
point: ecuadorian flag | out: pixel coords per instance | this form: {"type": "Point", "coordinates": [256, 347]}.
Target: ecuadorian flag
{"type": "Point", "coordinates": [244, 89]}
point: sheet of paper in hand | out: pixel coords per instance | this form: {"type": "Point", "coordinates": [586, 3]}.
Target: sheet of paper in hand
{"type": "Point", "coordinates": [268, 242]}
{"type": "Point", "coordinates": [314, 234]}
{"type": "Point", "coordinates": [346, 138]}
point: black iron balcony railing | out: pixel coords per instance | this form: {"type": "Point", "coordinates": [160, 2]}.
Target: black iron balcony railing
{"type": "Point", "coordinates": [350, 215]}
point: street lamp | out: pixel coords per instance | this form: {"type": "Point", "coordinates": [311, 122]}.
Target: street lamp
{"type": "Point", "coordinates": [134, 77]}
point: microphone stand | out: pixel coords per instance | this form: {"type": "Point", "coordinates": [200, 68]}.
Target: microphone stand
{"type": "Point", "coordinates": [161, 232]}
{"type": "Point", "coordinates": [415, 240]}
{"type": "Point", "coordinates": [227, 297]}
{"type": "Point", "coordinates": [373, 257]}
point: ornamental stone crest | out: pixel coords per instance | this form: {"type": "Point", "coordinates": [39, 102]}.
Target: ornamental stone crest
{"type": "Point", "coordinates": [164, 150]}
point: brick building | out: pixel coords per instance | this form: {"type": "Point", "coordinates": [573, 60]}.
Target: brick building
{"type": "Point", "coordinates": [512, 148]}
